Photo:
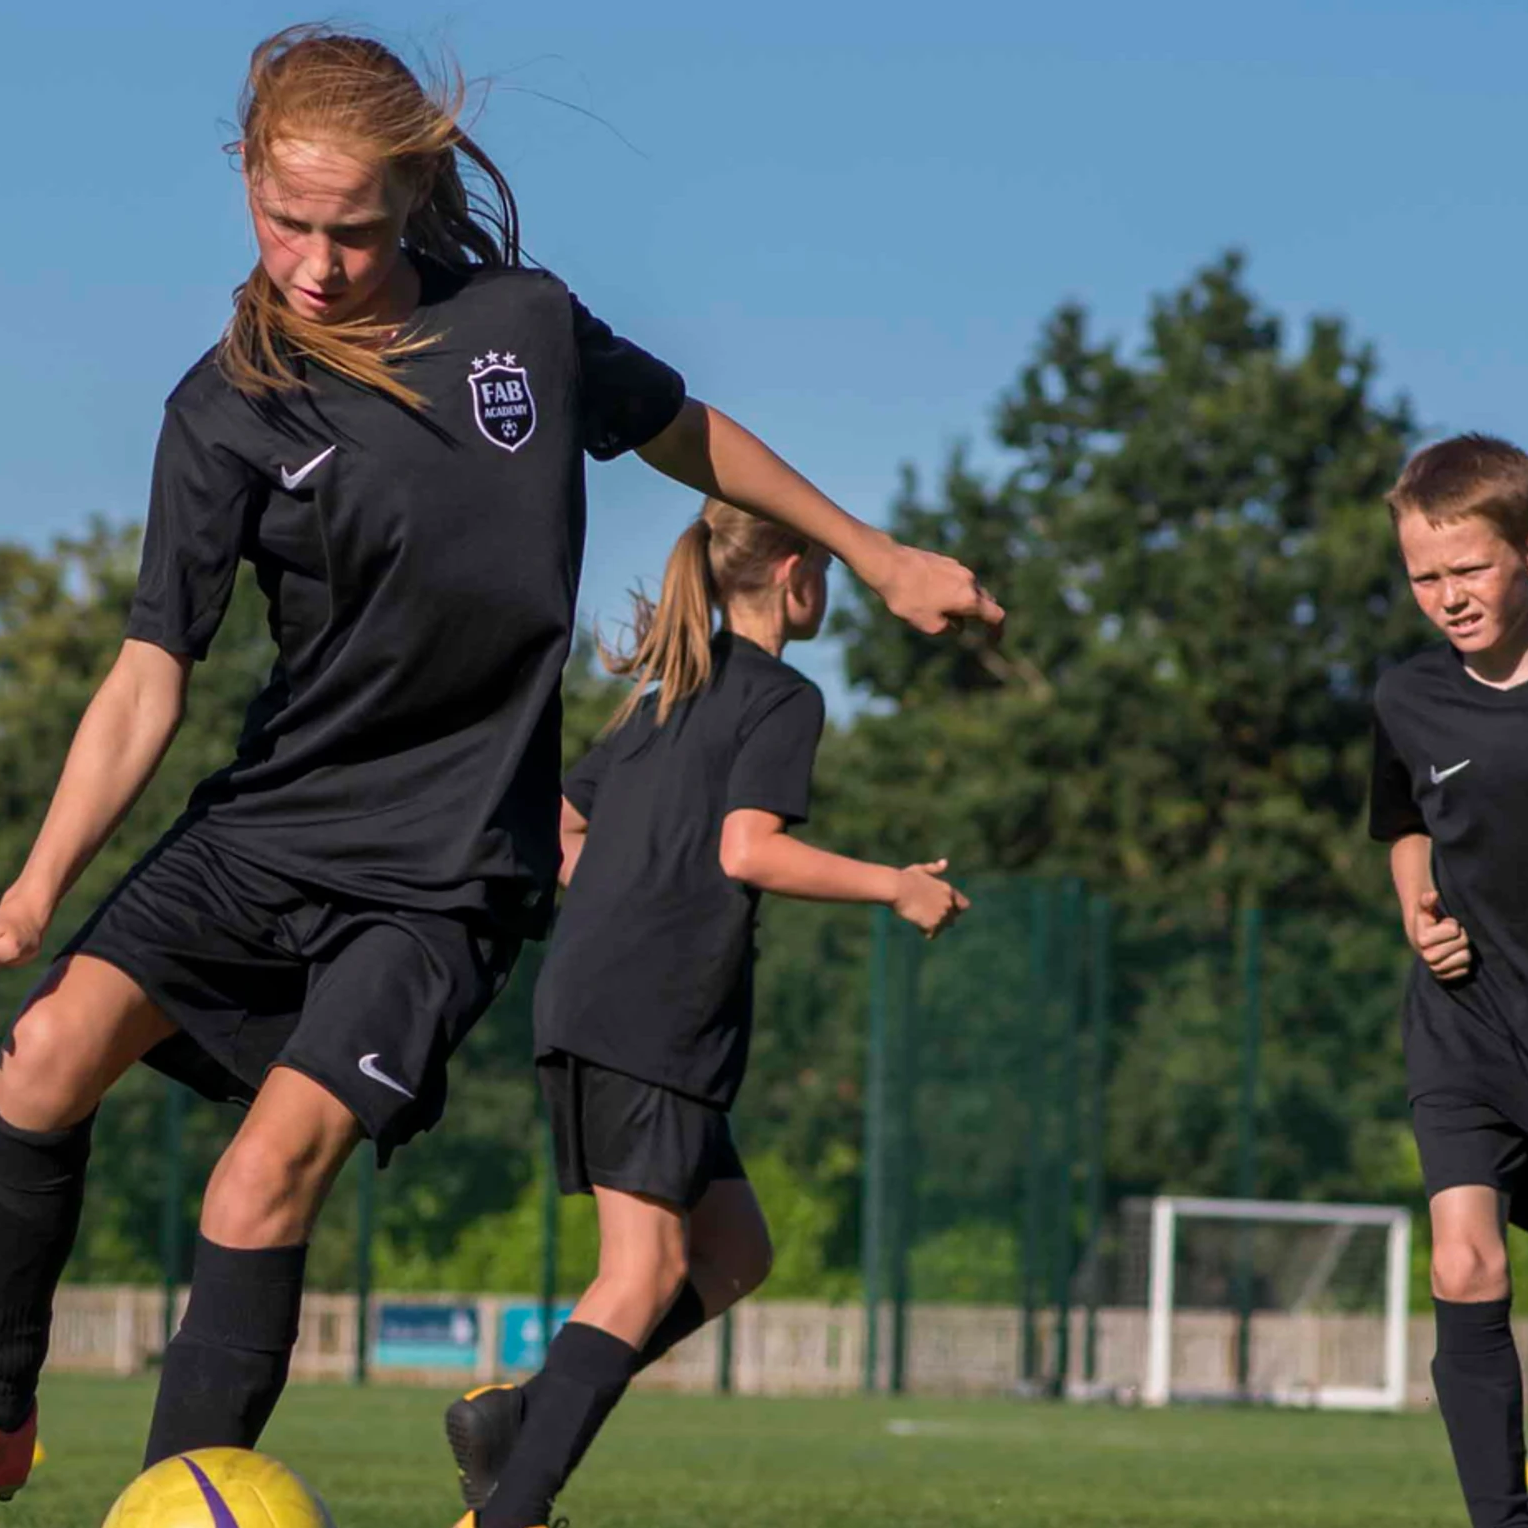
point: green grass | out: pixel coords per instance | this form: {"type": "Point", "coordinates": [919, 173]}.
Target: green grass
{"type": "Point", "coordinates": [699, 1462]}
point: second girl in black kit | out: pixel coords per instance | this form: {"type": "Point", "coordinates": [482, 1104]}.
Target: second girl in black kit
{"type": "Point", "coordinates": [671, 828]}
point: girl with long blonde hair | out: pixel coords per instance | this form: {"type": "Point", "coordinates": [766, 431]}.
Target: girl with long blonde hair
{"type": "Point", "coordinates": [671, 828]}
{"type": "Point", "coordinates": [392, 431]}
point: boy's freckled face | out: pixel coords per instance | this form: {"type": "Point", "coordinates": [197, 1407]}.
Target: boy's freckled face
{"type": "Point", "coordinates": [1470, 583]}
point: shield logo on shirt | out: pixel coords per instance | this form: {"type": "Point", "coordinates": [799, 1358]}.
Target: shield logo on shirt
{"type": "Point", "coordinates": [501, 400]}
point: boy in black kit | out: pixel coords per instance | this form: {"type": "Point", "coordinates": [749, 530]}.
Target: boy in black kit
{"type": "Point", "coordinates": [1450, 796]}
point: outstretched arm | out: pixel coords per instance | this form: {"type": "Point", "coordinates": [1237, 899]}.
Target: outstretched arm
{"type": "Point", "coordinates": [707, 451]}
{"type": "Point", "coordinates": [756, 849]}
{"type": "Point", "coordinates": [123, 735]}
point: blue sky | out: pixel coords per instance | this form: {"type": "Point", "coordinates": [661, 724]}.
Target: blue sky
{"type": "Point", "coordinates": [843, 221]}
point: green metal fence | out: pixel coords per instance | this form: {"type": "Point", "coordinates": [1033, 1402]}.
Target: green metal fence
{"type": "Point", "coordinates": [984, 1126]}
{"type": "Point", "coordinates": [993, 1091]}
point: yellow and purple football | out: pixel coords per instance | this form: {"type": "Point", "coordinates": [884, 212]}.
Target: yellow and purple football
{"type": "Point", "coordinates": [218, 1488]}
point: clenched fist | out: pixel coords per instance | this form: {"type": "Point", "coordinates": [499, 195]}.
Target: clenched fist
{"type": "Point", "coordinates": [21, 930]}
{"type": "Point", "coordinates": [1439, 940]}
{"type": "Point", "coordinates": [927, 902]}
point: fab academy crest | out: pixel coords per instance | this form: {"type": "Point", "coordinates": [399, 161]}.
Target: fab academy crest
{"type": "Point", "coordinates": [501, 400]}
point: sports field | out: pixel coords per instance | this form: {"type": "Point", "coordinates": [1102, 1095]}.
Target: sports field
{"type": "Point", "coordinates": [697, 1462]}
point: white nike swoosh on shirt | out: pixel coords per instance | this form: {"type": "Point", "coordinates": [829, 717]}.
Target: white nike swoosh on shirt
{"type": "Point", "coordinates": [1440, 775]}
{"type": "Point", "coordinates": [291, 480]}
{"type": "Point", "coordinates": [369, 1068]}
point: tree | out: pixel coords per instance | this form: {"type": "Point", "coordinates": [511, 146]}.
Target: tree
{"type": "Point", "coordinates": [1201, 590]}
{"type": "Point", "coordinates": [62, 614]}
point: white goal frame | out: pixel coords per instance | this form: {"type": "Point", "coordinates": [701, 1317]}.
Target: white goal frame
{"type": "Point", "coordinates": [1168, 1210]}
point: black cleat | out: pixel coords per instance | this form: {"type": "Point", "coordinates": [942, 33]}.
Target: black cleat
{"type": "Point", "coordinates": [482, 1428]}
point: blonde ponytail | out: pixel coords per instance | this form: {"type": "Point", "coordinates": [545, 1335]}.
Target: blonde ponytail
{"type": "Point", "coordinates": [673, 637]}
{"type": "Point", "coordinates": [724, 552]}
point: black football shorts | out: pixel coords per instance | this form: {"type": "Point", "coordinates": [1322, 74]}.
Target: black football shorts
{"type": "Point", "coordinates": [1464, 1142]}
{"type": "Point", "coordinates": [614, 1131]}
{"type": "Point", "coordinates": [256, 972]}
{"type": "Point", "coordinates": [1467, 1073]}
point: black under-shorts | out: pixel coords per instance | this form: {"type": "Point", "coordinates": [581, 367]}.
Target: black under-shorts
{"type": "Point", "coordinates": [256, 972]}
{"type": "Point", "coordinates": [1467, 1072]}
{"type": "Point", "coordinates": [1463, 1142]}
{"type": "Point", "coordinates": [614, 1131]}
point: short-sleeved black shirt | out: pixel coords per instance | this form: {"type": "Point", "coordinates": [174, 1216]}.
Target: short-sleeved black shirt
{"type": "Point", "coordinates": [650, 968]}
{"type": "Point", "coordinates": [1451, 761]}
{"type": "Point", "coordinates": [421, 570]}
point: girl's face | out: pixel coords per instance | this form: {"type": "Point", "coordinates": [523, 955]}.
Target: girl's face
{"type": "Point", "coordinates": [806, 595]}
{"type": "Point", "coordinates": [330, 227]}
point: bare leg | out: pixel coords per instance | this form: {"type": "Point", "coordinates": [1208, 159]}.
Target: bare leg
{"type": "Point", "coordinates": [273, 1179]}
{"type": "Point", "coordinates": [77, 1034]}
{"type": "Point", "coordinates": [730, 1250]}
{"type": "Point", "coordinates": [1469, 1261]}
{"type": "Point", "coordinates": [730, 1256]}
{"type": "Point", "coordinates": [227, 1366]}
{"type": "Point", "coordinates": [642, 1265]}
{"type": "Point", "coordinates": [1476, 1373]}
{"type": "Point", "coordinates": [82, 1028]}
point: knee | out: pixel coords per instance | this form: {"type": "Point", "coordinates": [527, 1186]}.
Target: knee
{"type": "Point", "coordinates": [1465, 1271]}
{"type": "Point", "coordinates": [270, 1184]}
{"type": "Point", "coordinates": [265, 1192]}
{"type": "Point", "coordinates": [47, 1081]}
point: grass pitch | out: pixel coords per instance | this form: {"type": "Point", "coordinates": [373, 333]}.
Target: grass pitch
{"type": "Point", "coordinates": [378, 1457]}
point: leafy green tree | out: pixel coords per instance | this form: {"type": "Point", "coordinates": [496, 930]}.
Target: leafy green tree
{"type": "Point", "coordinates": [1202, 589]}
{"type": "Point", "coordinates": [62, 614]}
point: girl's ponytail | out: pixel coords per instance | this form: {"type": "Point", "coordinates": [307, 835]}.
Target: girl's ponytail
{"type": "Point", "coordinates": [673, 637]}
{"type": "Point", "coordinates": [724, 552]}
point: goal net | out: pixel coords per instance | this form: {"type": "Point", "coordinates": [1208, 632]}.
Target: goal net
{"type": "Point", "coordinates": [1281, 1303]}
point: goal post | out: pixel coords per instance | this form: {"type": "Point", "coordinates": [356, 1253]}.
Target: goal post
{"type": "Point", "coordinates": [1323, 1292]}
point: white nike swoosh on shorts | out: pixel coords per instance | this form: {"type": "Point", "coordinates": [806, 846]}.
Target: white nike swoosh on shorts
{"type": "Point", "coordinates": [1440, 775]}
{"type": "Point", "coordinates": [291, 480]}
{"type": "Point", "coordinates": [369, 1068]}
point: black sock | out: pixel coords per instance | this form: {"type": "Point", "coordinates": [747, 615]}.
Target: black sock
{"type": "Point", "coordinates": [587, 1372]}
{"type": "Point", "coordinates": [1479, 1384]}
{"type": "Point", "coordinates": [226, 1367]}
{"type": "Point", "coordinates": [685, 1316]}
{"type": "Point", "coordinates": [42, 1186]}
